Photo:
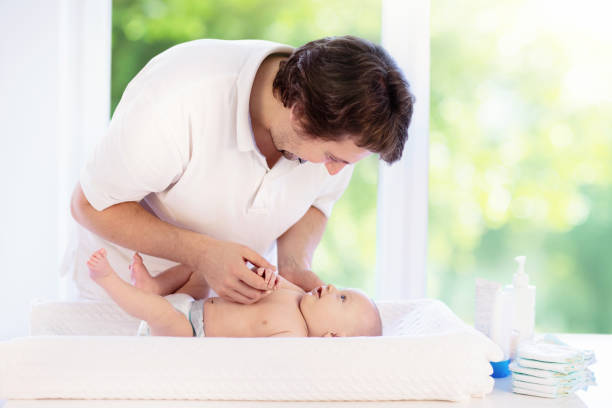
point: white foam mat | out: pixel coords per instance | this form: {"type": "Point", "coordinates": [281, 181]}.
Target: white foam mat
{"type": "Point", "coordinates": [426, 353]}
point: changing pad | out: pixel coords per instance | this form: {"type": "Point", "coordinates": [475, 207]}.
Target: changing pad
{"type": "Point", "coordinates": [98, 318]}
{"type": "Point", "coordinates": [426, 352]}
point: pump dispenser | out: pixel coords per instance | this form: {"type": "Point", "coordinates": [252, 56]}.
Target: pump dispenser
{"type": "Point", "coordinates": [521, 279]}
{"type": "Point", "coordinates": [523, 300]}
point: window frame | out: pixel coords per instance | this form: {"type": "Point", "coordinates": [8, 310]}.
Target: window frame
{"type": "Point", "coordinates": [401, 243]}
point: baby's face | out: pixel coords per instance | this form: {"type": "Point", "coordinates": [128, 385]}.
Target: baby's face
{"type": "Point", "coordinates": [346, 312]}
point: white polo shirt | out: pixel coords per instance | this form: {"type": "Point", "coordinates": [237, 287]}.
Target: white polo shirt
{"type": "Point", "coordinates": [181, 140]}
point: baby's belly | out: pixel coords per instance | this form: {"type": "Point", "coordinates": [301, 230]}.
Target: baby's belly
{"type": "Point", "coordinates": [227, 319]}
{"type": "Point", "coordinates": [223, 318]}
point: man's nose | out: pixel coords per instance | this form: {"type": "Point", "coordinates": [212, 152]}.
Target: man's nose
{"type": "Point", "coordinates": [334, 167]}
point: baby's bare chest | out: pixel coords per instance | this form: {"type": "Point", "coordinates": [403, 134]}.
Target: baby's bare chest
{"type": "Point", "coordinates": [278, 312]}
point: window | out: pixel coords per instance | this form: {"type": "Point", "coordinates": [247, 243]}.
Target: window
{"type": "Point", "coordinates": [521, 155]}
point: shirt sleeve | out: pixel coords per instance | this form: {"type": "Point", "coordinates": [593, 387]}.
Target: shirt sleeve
{"type": "Point", "coordinates": [333, 189]}
{"type": "Point", "coordinates": [144, 151]}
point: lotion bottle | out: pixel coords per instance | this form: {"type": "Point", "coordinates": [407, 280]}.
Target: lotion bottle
{"type": "Point", "coordinates": [523, 301]}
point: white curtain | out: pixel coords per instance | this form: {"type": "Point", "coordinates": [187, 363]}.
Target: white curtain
{"type": "Point", "coordinates": [401, 253]}
{"type": "Point", "coordinates": [54, 104]}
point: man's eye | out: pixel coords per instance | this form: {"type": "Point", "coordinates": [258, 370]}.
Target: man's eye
{"type": "Point", "coordinates": [301, 161]}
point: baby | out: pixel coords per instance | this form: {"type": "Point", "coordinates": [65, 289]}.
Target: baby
{"type": "Point", "coordinates": [287, 311]}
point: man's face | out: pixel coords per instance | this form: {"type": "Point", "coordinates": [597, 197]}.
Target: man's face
{"type": "Point", "coordinates": [332, 312]}
{"type": "Point", "coordinates": [294, 145]}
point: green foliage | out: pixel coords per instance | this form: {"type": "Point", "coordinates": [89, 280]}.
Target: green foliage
{"type": "Point", "coordinates": [144, 28]}
{"type": "Point", "coordinates": [347, 254]}
{"type": "Point", "coordinates": [521, 156]}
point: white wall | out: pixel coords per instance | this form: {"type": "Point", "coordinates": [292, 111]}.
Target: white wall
{"type": "Point", "coordinates": [54, 102]}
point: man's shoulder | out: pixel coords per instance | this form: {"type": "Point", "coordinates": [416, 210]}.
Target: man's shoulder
{"type": "Point", "coordinates": [218, 54]}
{"type": "Point", "coordinates": [206, 64]}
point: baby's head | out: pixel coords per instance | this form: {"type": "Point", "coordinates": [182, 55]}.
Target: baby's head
{"type": "Point", "coordinates": [346, 312]}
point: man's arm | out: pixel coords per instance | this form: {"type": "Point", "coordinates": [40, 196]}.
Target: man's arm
{"type": "Point", "coordinates": [223, 263]}
{"type": "Point", "coordinates": [129, 225]}
{"type": "Point", "coordinates": [296, 248]}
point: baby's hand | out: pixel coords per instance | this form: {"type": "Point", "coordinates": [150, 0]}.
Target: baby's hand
{"type": "Point", "coordinates": [269, 276]}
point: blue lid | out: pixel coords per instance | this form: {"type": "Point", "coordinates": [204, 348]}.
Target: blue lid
{"type": "Point", "coordinates": [500, 369]}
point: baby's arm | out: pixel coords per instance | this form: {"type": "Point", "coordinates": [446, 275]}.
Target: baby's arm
{"type": "Point", "coordinates": [286, 284]}
{"type": "Point", "coordinates": [161, 316]}
{"type": "Point", "coordinates": [275, 281]}
{"type": "Point", "coordinates": [290, 333]}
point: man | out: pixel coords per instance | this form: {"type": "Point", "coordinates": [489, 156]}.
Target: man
{"type": "Point", "coordinates": [220, 151]}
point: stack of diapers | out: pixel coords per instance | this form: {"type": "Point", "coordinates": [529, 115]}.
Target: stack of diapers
{"type": "Point", "coordinates": [426, 352]}
{"type": "Point", "coordinates": [550, 368]}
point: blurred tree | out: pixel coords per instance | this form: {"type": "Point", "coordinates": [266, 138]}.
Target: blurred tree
{"type": "Point", "coordinates": [521, 156]}
{"type": "Point", "coordinates": [144, 28]}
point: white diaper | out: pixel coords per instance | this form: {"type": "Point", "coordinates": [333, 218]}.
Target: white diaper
{"type": "Point", "coordinates": [192, 309]}
{"type": "Point", "coordinates": [535, 372]}
{"type": "Point", "coordinates": [554, 353]}
{"type": "Point", "coordinates": [556, 390]}
{"type": "Point", "coordinates": [563, 368]}
{"type": "Point", "coordinates": [550, 354]}
{"type": "Point", "coordinates": [546, 367]}
{"type": "Point", "coordinates": [555, 380]}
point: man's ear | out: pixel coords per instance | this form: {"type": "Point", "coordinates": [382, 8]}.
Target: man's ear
{"type": "Point", "coordinates": [291, 113]}
{"type": "Point", "coordinates": [294, 118]}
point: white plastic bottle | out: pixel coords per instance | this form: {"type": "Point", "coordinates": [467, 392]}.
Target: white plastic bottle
{"type": "Point", "coordinates": [523, 301]}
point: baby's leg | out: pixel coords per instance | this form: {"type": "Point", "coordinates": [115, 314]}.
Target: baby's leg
{"type": "Point", "coordinates": [163, 284]}
{"type": "Point", "coordinates": [196, 287]}
{"type": "Point", "coordinates": [161, 316]}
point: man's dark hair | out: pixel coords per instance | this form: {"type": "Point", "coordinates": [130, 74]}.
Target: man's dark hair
{"type": "Point", "coordinates": [348, 85]}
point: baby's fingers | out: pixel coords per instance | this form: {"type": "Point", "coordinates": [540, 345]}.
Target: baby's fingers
{"type": "Point", "coordinates": [269, 277]}
{"type": "Point", "coordinates": [260, 272]}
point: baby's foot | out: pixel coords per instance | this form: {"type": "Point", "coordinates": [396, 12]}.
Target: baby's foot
{"type": "Point", "coordinates": [98, 265]}
{"type": "Point", "coordinates": [141, 277]}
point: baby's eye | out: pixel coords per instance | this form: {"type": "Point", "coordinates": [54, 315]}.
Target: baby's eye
{"type": "Point", "coordinates": [343, 297]}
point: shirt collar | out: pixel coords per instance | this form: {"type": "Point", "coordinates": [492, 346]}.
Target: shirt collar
{"type": "Point", "coordinates": [261, 49]}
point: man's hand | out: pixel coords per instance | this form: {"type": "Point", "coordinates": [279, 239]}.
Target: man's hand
{"type": "Point", "coordinates": [224, 267]}
{"type": "Point", "coordinates": [222, 264]}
